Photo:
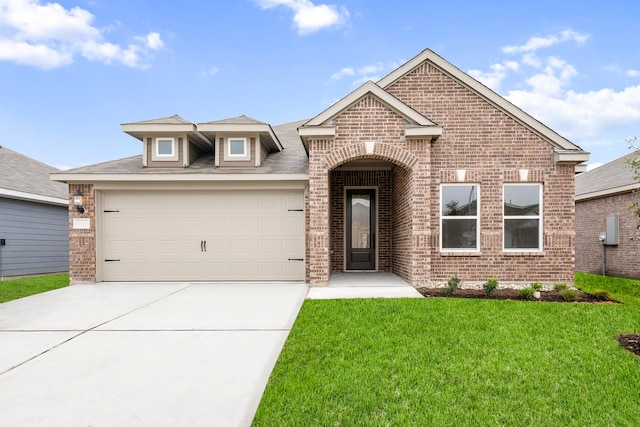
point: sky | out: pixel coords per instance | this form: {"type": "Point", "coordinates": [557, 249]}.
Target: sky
{"type": "Point", "coordinates": [72, 71]}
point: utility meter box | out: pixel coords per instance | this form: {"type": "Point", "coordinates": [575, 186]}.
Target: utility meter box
{"type": "Point", "coordinates": [612, 232]}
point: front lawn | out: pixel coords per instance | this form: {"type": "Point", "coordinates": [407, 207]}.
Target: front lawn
{"type": "Point", "coordinates": [437, 361]}
{"type": "Point", "coordinates": [20, 288]}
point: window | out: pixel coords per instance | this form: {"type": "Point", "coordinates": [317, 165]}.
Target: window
{"type": "Point", "coordinates": [165, 147]}
{"type": "Point", "coordinates": [522, 216]}
{"type": "Point", "coordinates": [237, 147]}
{"type": "Point", "coordinates": [459, 220]}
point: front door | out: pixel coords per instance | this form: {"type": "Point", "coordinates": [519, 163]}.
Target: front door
{"type": "Point", "coordinates": [361, 229]}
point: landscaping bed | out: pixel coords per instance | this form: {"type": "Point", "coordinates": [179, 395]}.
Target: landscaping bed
{"type": "Point", "coordinates": [512, 294]}
{"type": "Point", "coordinates": [631, 342]}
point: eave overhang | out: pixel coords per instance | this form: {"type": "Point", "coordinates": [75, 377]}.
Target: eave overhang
{"type": "Point", "coordinates": [267, 135]}
{"type": "Point", "coordinates": [608, 192]}
{"type": "Point", "coordinates": [30, 197]}
{"type": "Point", "coordinates": [139, 130]}
{"type": "Point", "coordinates": [168, 177]}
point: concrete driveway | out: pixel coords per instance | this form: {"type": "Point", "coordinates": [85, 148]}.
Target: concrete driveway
{"type": "Point", "coordinates": [142, 354]}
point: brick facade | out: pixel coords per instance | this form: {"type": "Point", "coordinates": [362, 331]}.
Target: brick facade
{"type": "Point", "coordinates": [622, 260]}
{"type": "Point", "coordinates": [479, 138]}
{"type": "Point", "coordinates": [82, 242]}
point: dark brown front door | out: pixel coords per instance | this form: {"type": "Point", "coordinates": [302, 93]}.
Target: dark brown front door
{"type": "Point", "coordinates": [361, 230]}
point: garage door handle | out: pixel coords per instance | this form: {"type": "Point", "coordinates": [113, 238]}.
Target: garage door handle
{"type": "Point", "coordinates": [205, 246]}
{"type": "Point", "coordinates": [201, 245]}
{"type": "Point", "coordinates": [296, 259]}
{"type": "Point", "coordinates": [296, 210]}
{"type": "Point", "coordinates": [111, 260]}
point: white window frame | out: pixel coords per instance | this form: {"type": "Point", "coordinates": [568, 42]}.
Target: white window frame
{"type": "Point", "coordinates": [476, 217]}
{"type": "Point", "coordinates": [244, 156]}
{"type": "Point", "coordinates": [539, 217]}
{"type": "Point", "coordinates": [165, 157]}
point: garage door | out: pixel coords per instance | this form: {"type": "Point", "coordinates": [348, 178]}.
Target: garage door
{"type": "Point", "coordinates": [214, 235]}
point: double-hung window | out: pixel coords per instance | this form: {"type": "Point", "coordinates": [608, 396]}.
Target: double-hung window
{"type": "Point", "coordinates": [459, 219]}
{"type": "Point", "coordinates": [522, 209]}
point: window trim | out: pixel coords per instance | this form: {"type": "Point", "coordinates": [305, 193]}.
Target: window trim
{"type": "Point", "coordinates": [157, 156]}
{"type": "Point", "coordinates": [244, 156]}
{"type": "Point", "coordinates": [476, 217]}
{"type": "Point", "coordinates": [539, 217]}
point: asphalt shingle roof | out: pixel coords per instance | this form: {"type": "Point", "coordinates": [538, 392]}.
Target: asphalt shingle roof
{"type": "Point", "coordinates": [291, 160]}
{"type": "Point", "coordinates": [240, 120]}
{"type": "Point", "coordinates": [171, 120]}
{"type": "Point", "coordinates": [614, 174]}
{"type": "Point", "coordinates": [24, 174]}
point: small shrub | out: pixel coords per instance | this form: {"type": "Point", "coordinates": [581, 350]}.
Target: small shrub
{"type": "Point", "coordinates": [559, 287]}
{"type": "Point", "coordinates": [490, 286]}
{"type": "Point", "coordinates": [602, 294]}
{"type": "Point", "coordinates": [526, 293]}
{"type": "Point", "coordinates": [452, 285]}
{"type": "Point", "coordinates": [536, 286]}
{"type": "Point", "coordinates": [569, 294]}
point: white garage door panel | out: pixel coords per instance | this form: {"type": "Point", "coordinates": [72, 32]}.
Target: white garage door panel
{"type": "Point", "coordinates": [250, 235]}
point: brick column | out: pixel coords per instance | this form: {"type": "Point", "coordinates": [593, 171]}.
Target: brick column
{"type": "Point", "coordinates": [82, 241]}
{"type": "Point", "coordinates": [318, 232]}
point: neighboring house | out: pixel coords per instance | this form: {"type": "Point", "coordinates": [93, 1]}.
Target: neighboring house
{"type": "Point", "coordinates": [426, 174]}
{"type": "Point", "coordinates": [34, 217]}
{"type": "Point", "coordinates": [604, 191]}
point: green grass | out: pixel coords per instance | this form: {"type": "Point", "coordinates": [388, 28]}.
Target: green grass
{"type": "Point", "coordinates": [436, 361]}
{"type": "Point", "coordinates": [20, 288]}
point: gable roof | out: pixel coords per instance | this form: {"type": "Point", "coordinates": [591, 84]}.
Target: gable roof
{"type": "Point", "coordinates": [322, 124]}
{"type": "Point", "coordinates": [612, 178]}
{"type": "Point", "coordinates": [27, 179]}
{"type": "Point", "coordinates": [565, 150]}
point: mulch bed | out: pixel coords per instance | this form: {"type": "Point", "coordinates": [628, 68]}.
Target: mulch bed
{"type": "Point", "coordinates": [631, 342]}
{"type": "Point", "coordinates": [513, 294]}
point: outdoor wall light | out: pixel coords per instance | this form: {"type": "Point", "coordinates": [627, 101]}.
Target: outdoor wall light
{"type": "Point", "coordinates": [77, 201]}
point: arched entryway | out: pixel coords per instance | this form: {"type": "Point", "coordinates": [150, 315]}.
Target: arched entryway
{"type": "Point", "coordinates": [371, 209]}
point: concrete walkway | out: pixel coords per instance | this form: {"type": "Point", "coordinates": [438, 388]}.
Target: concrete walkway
{"type": "Point", "coordinates": [364, 285]}
{"type": "Point", "coordinates": [142, 354]}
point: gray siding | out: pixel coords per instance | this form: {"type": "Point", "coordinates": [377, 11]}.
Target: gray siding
{"type": "Point", "coordinates": [37, 238]}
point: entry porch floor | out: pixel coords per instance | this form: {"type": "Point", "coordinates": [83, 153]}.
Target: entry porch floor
{"type": "Point", "coordinates": [364, 285]}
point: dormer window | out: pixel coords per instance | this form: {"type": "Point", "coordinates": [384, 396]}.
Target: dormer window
{"type": "Point", "coordinates": [165, 147]}
{"type": "Point", "coordinates": [237, 148]}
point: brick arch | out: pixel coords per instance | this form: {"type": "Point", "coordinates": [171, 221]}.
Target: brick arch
{"type": "Point", "coordinates": [382, 151]}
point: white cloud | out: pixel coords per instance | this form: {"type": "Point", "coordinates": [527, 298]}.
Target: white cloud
{"type": "Point", "coordinates": [581, 115]}
{"type": "Point", "coordinates": [154, 42]}
{"type": "Point", "coordinates": [309, 17]}
{"type": "Point", "coordinates": [343, 73]}
{"type": "Point", "coordinates": [493, 78]}
{"type": "Point", "coordinates": [592, 166]}
{"type": "Point", "coordinates": [209, 72]}
{"type": "Point", "coordinates": [365, 73]}
{"type": "Point", "coordinates": [542, 86]}
{"type": "Point", "coordinates": [536, 43]}
{"type": "Point", "coordinates": [49, 36]}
